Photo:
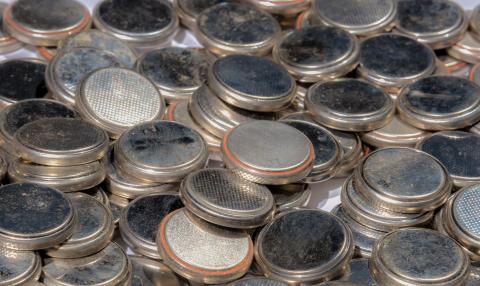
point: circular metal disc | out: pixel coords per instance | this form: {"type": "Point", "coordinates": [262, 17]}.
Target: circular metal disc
{"type": "Point", "coordinates": [60, 142]}
{"type": "Point", "coordinates": [19, 267]}
{"type": "Point", "coordinates": [160, 151]}
{"type": "Point", "coordinates": [358, 272]}
{"type": "Point", "coordinates": [107, 267]}
{"type": "Point", "coordinates": [236, 28]}
{"type": "Point", "coordinates": [252, 83]}
{"type": "Point", "coordinates": [43, 23]}
{"type": "Point", "coordinates": [147, 272]}
{"type": "Point", "coordinates": [271, 164]}
{"type": "Point", "coordinates": [177, 72]}
{"type": "Point", "coordinates": [141, 218]}
{"type": "Point", "coordinates": [203, 252]}
{"type": "Point", "coordinates": [349, 105]}
{"type": "Point", "coordinates": [440, 103]}
{"type": "Point", "coordinates": [26, 80]}
{"type": "Point", "coordinates": [222, 198]}
{"type": "Point", "coordinates": [457, 151]}
{"type": "Point", "coordinates": [188, 10]}
{"type": "Point", "coordinates": [116, 99]}
{"type": "Point", "coordinates": [465, 206]}
{"type": "Point", "coordinates": [92, 232]}
{"type": "Point", "coordinates": [411, 256]}
{"type": "Point", "coordinates": [420, 183]}
{"type": "Point", "coordinates": [23, 209]}
{"type": "Point", "coordinates": [292, 247]}
{"type": "Point", "coordinates": [358, 17]}
{"type": "Point", "coordinates": [392, 60]}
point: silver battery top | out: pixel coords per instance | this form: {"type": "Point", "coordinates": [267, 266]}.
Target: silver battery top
{"type": "Point", "coordinates": [25, 207]}
{"type": "Point", "coordinates": [203, 252]}
{"type": "Point", "coordinates": [349, 105]}
{"type": "Point", "coordinates": [392, 61]}
{"type": "Point", "coordinates": [177, 72]}
{"type": "Point", "coordinates": [457, 152]}
{"type": "Point", "coordinates": [293, 246]}
{"type": "Point", "coordinates": [462, 214]}
{"type": "Point", "coordinates": [362, 18]}
{"type": "Point", "coordinates": [436, 23]}
{"type": "Point", "coordinates": [252, 83]}
{"type": "Point", "coordinates": [142, 23]}
{"type": "Point", "coordinates": [419, 183]}
{"type": "Point", "coordinates": [222, 198]}
{"type": "Point", "coordinates": [160, 151]}
{"type": "Point", "coordinates": [440, 103]}
{"type": "Point", "coordinates": [43, 23]}
{"type": "Point", "coordinates": [231, 28]}
{"type": "Point", "coordinates": [19, 267]}
{"type": "Point", "coordinates": [269, 164]}
{"type": "Point", "coordinates": [419, 256]}
{"type": "Point", "coordinates": [116, 99]}
{"type": "Point", "coordinates": [26, 80]}
{"type": "Point", "coordinates": [60, 142]}
{"type": "Point", "coordinates": [141, 218]}
{"type": "Point", "coordinates": [317, 53]}
{"type": "Point", "coordinates": [188, 10]}
{"type": "Point", "coordinates": [148, 272]}
{"type": "Point", "coordinates": [106, 268]}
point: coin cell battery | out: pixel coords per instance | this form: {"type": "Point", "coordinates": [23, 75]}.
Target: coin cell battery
{"type": "Point", "coordinates": [188, 10]}
{"type": "Point", "coordinates": [20, 267]}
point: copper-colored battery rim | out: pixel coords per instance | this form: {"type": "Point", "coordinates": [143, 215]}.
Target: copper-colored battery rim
{"type": "Point", "coordinates": [244, 264]}
{"type": "Point", "coordinates": [44, 52]}
{"type": "Point", "coordinates": [300, 18]}
{"type": "Point", "coordinates": [231, 157]}
{"type": "Point", "coordinates": [171, 110]}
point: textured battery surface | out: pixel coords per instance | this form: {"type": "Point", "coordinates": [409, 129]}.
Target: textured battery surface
{"type": "Point", "coordinates": [237, 24]}
{"type": "Point", "coordinates": [24, 207]}
{"type": "Point", "coordinates": [45, 15]}
{"type": "Point", "coordinates": [205, 245]}
{"type": "Point", "coordinates": [458, 152]}
{"type": "Point", "coordinates": [136, 16]}
{"type": "Point", "coordinates": [26, 80]}
{"type": "Point", "coordinates": [316, 46]}
{"type": "Point", "coordinates": [253, 76]}
{"type": "Point", "coordinates": [16, 265]}
{"type": "Point", "coordinates": [466, 210]}
{"type": "Point", "coordinates": [395, 56]}
{"type": "Point", "coordinates": [404, 173]}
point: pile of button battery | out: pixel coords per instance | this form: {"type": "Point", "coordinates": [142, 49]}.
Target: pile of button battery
{"type": "Point", "coordinates": [127, 160]}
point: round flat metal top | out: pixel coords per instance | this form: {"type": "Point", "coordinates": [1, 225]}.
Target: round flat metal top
{"type": "Point", "coordinates": [465, 210]}
{"type": "Point", "coordinates": [358, 17]}
{"type": "Point", "coordinates": [148, 272]}
{"type": "Point", "coordinates": [17, 266]}
{"type": "Point", "coordinates": [24, 207]}
{"type": "Point", "coordinates": [26, 80]}
{"type": "Point", "coordinates": [219, 196]}
{"type": "Point", "coordinates": [117, 99]}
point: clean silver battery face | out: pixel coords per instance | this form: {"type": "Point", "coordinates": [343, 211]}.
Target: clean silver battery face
{"type": "Point", "coordinates": [188, 10]}
{"type": "Point", "coordinates": [358, 272]}
{"type": "Point", "coordinates": [203, 252]}
{"type": "Point", "coordinates": [232, 28]}
{"type": "Point", "coordinates": [257, 281]}
{"type": "Point", "coordinates": [18, 114]}
{"type": "Point", "coordinates": [24, 208]}
{"type": "Point", "coordinates": [60, 142]}
{"type": "Point", "coordinates": [327, 150]}
{"type": "Point", "coordinates": [440, 103]}
{"type": "Point", "coordinates": [392, 61]}
{"type": "Point", "coordinates": [317, 53]}
{"type": "Point", "coordinates": [116, 99]}
{"type": "Point", "coordinates": [457, 152]}
{"type": "Point", "coordinates": [64, 72]}
{"type": "Point", "coordinates": [106, 268]}
{"type": "Point", "coordinates": [103, 41]}
{"type": "Point", "coordinates": [302, 234]}
{"type": "Point", "coordinates": [26, 80]}
{"type": "Point", "coordinates": [349, 105]}
{"type": "Point", "coordinates": [19, 267]}
{"type": "Point", "coordinates": [176, 72]}
{"type": "Point", "coordinates": [92, 232]}
{"type": "Point", "coordinates": [419, 256]}
{"type": "Point", "coordinates": [360, 17]}
{"type": "Point", "coordinates": [436, 23]}
{"type": "Point", "coordinates": [143, 24]}
{"type": "Point", "coordinates": [252, 83]}
{"type": "Point", "coordinates": [420, 184]}
{"type": "Point", "coordinates": [8, 43]}
{"type": "Point", "coordinates": [140, 220]}
{"type": "Point", "coordinates": [160, 151]}
{"type": "Point", "coordinates": [396, 133]}
{"type": "Point", "coordinates": [42, 23]}
{"type": "Point", "coordinates": [222, 198]}
{"type": "Point", "coordinates": [218, 117]}
{"type": "Point", "coordinates": [147, 272]}
{"type": "Point", "coordinates": [272, 165]}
